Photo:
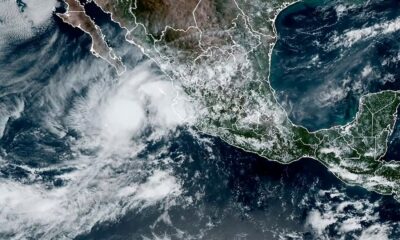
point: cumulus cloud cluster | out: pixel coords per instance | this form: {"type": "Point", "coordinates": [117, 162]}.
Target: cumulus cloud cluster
{"type": "Point", "coordinates": [114, 118]}
{"type": "Point", "coordinates": [353, 36]}
{"type": "Point", "coordinates": [24, 19]}
{"type": "Point", "coordinates": [336, 213]}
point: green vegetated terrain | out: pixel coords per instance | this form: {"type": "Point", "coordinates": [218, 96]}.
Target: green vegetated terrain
{"type": "Point", "coordinates": [219, 51]}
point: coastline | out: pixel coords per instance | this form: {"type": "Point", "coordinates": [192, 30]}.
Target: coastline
{"type": "Point", "coordinates": [336, 127]}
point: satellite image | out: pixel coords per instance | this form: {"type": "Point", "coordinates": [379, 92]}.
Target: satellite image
{"type": "Point", "coordinates": [199, 119]}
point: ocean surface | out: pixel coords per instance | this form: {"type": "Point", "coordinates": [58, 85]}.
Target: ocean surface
{"type": "Point", "coordinates": [67, 173]}
{"type": "Point", "coordinates": [329, 53]}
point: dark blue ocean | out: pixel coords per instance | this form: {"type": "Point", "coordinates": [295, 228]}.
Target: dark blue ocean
{"type": "Point", "coordinates": [224, 192]}
{"type": "Point", "coordinates": [329, 53]}
{"type": "Point", "coordinates": [318, 77]}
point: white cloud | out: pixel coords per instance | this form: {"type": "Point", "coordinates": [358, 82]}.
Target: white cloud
{"type": "Point", "coordinates": [16, 24]}
{"type": "Point", "coordinates": [116, 113]}
{"type": "Point", "coordinates": [367, 70]}
{"type": "Point", "coordinates": [30, 210]}
{"type": "Point", "coordinates": [350, 225]}
{"type": "Point", "coordinates": [319, 222]}
{"type": "Point", "coordinates": [8, 111]}
{"type": "Point", "coordinates": [353, 36]}
{"type": "Point", "coordinates": [336, 212]}
{"type": "Point", "coordinates": [110, 119]}
{"type": "Point", "coordinates": [374, 232]}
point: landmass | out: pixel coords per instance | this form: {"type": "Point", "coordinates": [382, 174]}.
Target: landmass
{"type": "Point", "coordinates": [219, 51]}
{"type": "Point", "coordinates": [77, 17]}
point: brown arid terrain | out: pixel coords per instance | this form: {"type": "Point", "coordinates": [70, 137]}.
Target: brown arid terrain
{"type": "Point", "coordinates": [76, 17]}
{"type": "Point", "coordinates": [219, 51]}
